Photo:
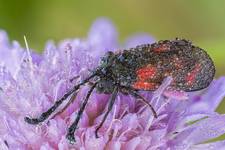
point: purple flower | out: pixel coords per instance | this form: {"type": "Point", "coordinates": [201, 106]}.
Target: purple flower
{"type": "Point", "coordinates": [31, 83]}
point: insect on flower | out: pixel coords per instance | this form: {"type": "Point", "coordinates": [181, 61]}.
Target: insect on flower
{"type": "Point", "coordinates": [141, 68]}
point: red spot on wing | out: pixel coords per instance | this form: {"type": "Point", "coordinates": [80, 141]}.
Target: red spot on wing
{"type": "Point", "coordinates": [190, 78]}
{"type": "Point", "coordinates": [143, 75]}
{"type": "Point", "coordinates": [144, 85]}
{"type": "Point", "coordinates": [177, 63]}
{"type": "Point", "coordinates": [161, 48]}
{"type": "Point", "coordinates": [146, 73]}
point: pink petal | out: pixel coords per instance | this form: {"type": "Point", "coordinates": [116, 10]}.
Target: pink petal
{"type": "Point", "coordinates": [113, 145]}
{"type": "Point", "coordinates": [219, 145]}
{"type": "Point", "coordinates": [132, 144]}
{"type": "Point", "coordinates": [138, 39]}
{"type": "Point", "coordinates": [207, 129]}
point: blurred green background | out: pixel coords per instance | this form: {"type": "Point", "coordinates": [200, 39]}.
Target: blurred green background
{"type": "Point", "coordinates": [202, 21]}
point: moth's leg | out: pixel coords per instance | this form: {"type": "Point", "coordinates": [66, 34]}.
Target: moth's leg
{"type": "Point", "coordinates": [73, 127]}
{"type": "Point", "coordinates": [110, 105]}
{"type": "Point", "coordinates": [71, 100]}
{"type": "Point", "coordinates": [46, 114]}
{"type": "Point", "coordinates": [137, 95]}
{"type": "Point", "coordinates": [74, 78]}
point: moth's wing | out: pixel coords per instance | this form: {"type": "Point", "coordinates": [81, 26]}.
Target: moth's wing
{"type": "Point", "coordinates": [146, 78]}
{"type": "Point", "coordinates": [144, 85]}
{"type": "Point", "coordinates": [171, 45]}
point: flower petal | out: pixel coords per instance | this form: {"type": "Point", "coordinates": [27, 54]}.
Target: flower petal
{"type": "Point", "coordinates": [113, 145]}
{"type": "Point", "coordinates": [219, 145]}
{"type": "Point", "coordinates": [132, 144]}
{"type": "Point", "coordinates": [212, 97]}
{"type": "Point", "coordinates": [199, 132]}
{"type": "Point", "coordinates": [102, 36]}
{"type": "Point", "coordinates": [138, 39]}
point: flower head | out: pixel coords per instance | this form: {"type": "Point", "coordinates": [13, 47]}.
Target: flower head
{"type": "Point", "coordinates": [31, 83]}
